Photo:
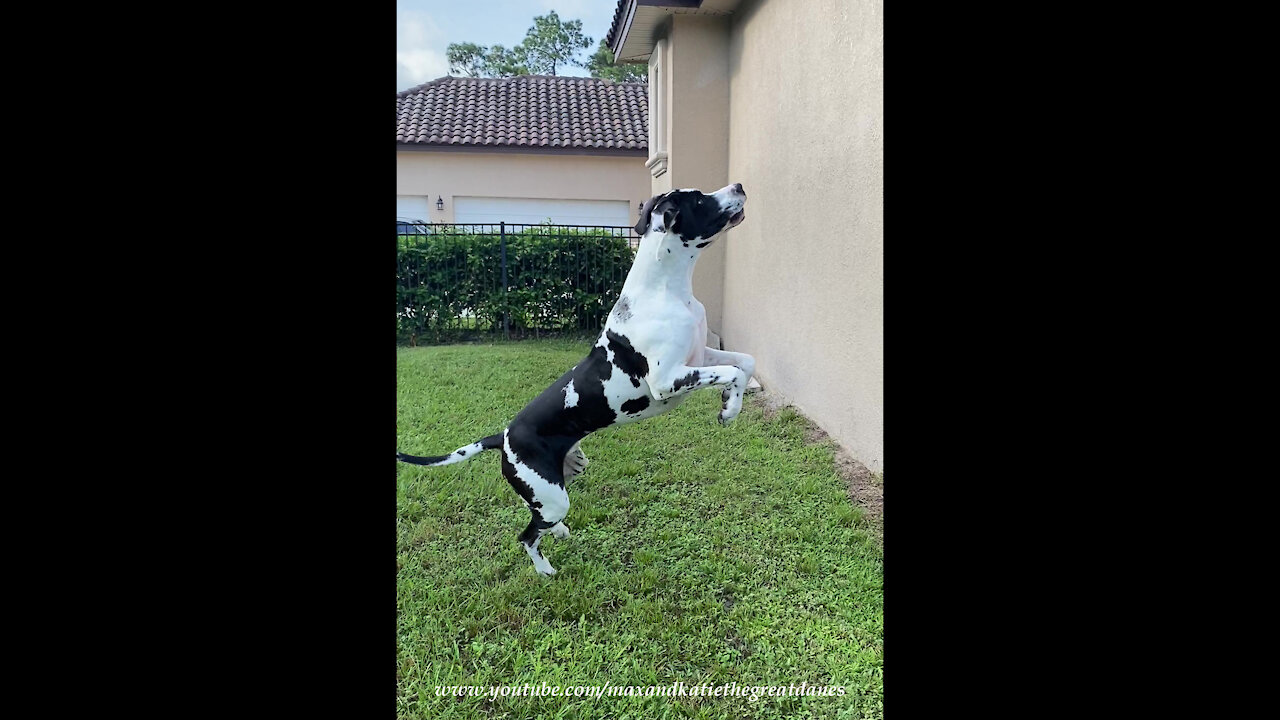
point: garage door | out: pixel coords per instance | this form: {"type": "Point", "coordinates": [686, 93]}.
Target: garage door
{"type": "Point", "coordinates": [532, 211]}
{"type": "Point", "coordinates": [413, 207]}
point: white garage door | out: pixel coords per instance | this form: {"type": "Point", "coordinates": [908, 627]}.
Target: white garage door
{"type": "Point", "coordinates": [531, 211]}
{"type": "Point", "coordinates": [413, 207]}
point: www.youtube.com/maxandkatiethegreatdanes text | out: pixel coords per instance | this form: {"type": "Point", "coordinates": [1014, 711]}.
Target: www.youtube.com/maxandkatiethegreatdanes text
{"type": "Point", "coordinates": [752, 693]}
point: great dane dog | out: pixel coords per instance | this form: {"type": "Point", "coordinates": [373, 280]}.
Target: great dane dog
{"type": "Point", "coordinates": [650, 356]}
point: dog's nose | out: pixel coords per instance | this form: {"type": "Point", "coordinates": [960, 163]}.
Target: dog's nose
{"type": "Point", "coordinates": [738, 187]}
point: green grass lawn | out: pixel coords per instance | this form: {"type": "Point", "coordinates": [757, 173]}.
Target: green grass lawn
{"type": "Point", "coordinates": [699, 554]}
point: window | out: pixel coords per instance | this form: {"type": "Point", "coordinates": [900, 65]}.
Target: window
{"type": "Point", "coordinates": [657, 163]}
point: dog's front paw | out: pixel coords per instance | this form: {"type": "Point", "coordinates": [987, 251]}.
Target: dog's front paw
{"type": "Point", "coordinates": [561, 531]}
{"type": "Point", "coordinates": [732, 405]}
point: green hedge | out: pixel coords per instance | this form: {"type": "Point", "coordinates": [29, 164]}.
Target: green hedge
{"type": "Point", "coordinates": [449, 284]}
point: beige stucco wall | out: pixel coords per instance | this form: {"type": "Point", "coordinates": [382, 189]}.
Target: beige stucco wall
{"type": "Point", "coordinates": [804, 275]}
{"type": "Point", "coordinates": [561, 177]}
{"type": "Point", "coordinates": [696, 57]}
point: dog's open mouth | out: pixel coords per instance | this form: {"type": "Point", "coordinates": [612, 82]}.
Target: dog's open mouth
{"type": "Point", "coordinates": [737, 218]}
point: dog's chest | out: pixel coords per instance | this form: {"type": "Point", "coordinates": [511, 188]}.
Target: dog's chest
{"type": "Point", "coordinates": [683, 319]}
{"type": "Point", "coordinates": [697, 341]}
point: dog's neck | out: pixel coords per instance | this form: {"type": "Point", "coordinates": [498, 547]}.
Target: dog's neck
{"type": "Point", "coordinates": [664, 263]}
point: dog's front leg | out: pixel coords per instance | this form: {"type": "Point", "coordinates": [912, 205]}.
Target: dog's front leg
{"type": "Point", "coordinates": [742, 361]}
{"type": "Point", "coordinates": [680, 379]}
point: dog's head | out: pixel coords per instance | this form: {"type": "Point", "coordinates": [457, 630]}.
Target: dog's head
{"type": "Point", "coordinates": [692, 214]}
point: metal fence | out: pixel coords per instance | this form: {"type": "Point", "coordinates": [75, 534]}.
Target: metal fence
{"type": "Point", "coordinates": [457, 282]}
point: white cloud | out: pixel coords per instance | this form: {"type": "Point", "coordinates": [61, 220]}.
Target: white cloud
{"type": "Point", "coordinates": [420, 49]}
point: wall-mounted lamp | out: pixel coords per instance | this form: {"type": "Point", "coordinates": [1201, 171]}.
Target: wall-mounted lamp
{"type": "Point", "coordinates": [439, 203]}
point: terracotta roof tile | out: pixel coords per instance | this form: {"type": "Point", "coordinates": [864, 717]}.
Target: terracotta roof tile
{"type": "Point", "coordinates": [527, 110]}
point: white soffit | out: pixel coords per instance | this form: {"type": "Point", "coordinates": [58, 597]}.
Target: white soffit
{"type": "Point", "coordinates": [640, 29]}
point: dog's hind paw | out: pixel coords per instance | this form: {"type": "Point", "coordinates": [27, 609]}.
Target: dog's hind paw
{"type": "Point", "coordinates": [574, 463]}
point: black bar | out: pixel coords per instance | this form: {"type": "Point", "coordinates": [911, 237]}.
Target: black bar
{"type": "Point", "coordinates": [506, 308]}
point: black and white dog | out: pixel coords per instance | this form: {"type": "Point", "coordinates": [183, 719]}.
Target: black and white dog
{"type": "Point", "coordinates": [650, 356]}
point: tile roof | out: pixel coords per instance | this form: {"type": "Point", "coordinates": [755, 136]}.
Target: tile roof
{"type": "Point", "coordinates": [525, 111]}
{"type": "Point", "coordinates": [616, 25]}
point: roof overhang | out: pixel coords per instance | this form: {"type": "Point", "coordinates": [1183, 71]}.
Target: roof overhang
{"type": "Point", "coordinates": [524, 150]}
{"type": "Point", "coordinates": [636, 23]}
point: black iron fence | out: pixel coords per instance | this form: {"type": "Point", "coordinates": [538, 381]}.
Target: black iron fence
{"type": "Point", "coordinates": [506, 280]}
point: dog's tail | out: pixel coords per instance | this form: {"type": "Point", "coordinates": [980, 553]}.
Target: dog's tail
{"type": "Point", "coordinates": [466, 452]}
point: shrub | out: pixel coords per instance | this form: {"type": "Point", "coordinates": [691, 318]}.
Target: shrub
{"type": "Point", "coordinates": [449, 283]}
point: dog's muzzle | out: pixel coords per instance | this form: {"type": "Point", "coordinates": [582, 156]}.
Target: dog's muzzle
{"type": "Point", "coordinates": [739, 199]}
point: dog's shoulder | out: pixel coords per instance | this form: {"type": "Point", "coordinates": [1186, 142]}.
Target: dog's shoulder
{"type": "Point", "coordinates": [668, 320]}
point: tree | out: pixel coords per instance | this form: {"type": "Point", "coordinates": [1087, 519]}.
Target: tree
{"type": "Point", "coordinates": [466, 59]}
{"type": "Point", "coordinates": [548, 46]}
{"type": "Point", "coordinates": [602, 66]}
{"type": "Point", "coordinates": [502, 62]}
{"type": "Point", "coordinates": [473, 60]}
{"type": "Point", "coordinates": [551, 43]}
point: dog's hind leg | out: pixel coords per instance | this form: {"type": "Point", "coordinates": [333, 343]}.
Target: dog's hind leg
{"type": "Point", "coordinates": [543, 493]}
{"type": "Point", "coordinates": [530, 539]}
{"type": "Point", "coordinates": [548, 514]}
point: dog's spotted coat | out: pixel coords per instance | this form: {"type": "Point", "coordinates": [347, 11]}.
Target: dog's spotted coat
{"type": "Point", "coordinates": [650, 356]}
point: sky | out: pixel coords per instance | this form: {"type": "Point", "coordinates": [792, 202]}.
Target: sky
{"type": "Point", "coordinates": [424, 28]}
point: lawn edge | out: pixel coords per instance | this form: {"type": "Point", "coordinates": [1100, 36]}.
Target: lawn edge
{"type": "Point", "coordinates": [864, 488]}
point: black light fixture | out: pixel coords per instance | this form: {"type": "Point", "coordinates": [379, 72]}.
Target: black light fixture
{"type": "Point", "coordinates": [439, 203]}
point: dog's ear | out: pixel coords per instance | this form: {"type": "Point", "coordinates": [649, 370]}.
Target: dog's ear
{"type": "Point", "coordinates": [642, 227]}
{"type": "Point", "coordinates": [658, 203]}
{"type": "Point", "coordinates": [670, 214]}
